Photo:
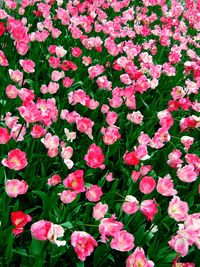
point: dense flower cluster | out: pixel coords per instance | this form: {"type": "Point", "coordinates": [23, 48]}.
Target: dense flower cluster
{"type": "Point", "coordinates": [99, 132]}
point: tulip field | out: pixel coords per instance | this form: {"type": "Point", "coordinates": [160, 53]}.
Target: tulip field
{"type": "Point", "coordinates": [100, 133]}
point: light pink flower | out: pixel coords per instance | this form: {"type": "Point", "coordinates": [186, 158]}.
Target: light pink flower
{"type": "Point", "coordinates": [165, 186]}
{"type": "Point", "coordinates": [111, 117]}
{"type": "Point", "coordinates": [135, 117]}
{"type": "Point", "coordinates": [28, 65]}
{"type": "Point", "coordinates": [68, 196]}
{"type": "Point", "coordinates": [60, 51]}
{"type": "Point", "coordinates": [56, 231]}
{"type": "Point", "coordinates": [83, 244]}
{"type": "Point", "coordinates": [109, 177]}
{"type": "Point", "coordinates": [122, 241]}
{"type": "Point", "coordinates": [187, 141]}
{"type": "Point", "coordinates": [94, 193]}
{"type": "Point", "coordinates": [16, 187]}
{"type": "Point", "coordinates": [99, 211]}
{"type": "Point", "coordinates": [11, 91]}
{"type": "Point", "coordinates": [131, 205]}
{"type": "Point", "coordinates": [16, 160]}
{"type": "Point", "coordinates": [16, 76]}
{"type": "Point", "coordinates": [138, 258]}
{"type": "Point", "coordinates": [187, 174]}
{"type": "Point", "coordinates": [109, 227]}
{"type": "Point", "coordinates": [178, 210]}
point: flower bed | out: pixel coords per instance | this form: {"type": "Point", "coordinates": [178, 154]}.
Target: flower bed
{"type": "Point", "coordinates": [99, 133]}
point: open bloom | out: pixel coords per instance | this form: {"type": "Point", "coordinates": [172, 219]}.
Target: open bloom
{"type": "Point", "coordinates": [56, 231]}
{"type": "Point", "coordinates": [99, 211]}
{"type": "Point", "coordinates": [16, 187]}
{"type": "Point", "coordinates": [109, 227]}
{"type": "Point", "coordinates": [16, 160]}
{"type": "Point", "coordinates": [94, 193]}
{"type": "Point", "coordinates": [187, 174]}
{"type": "Point", "coordinates": [94, 157]}
{"type": "Point", "coordinates": [131, 205]}
{"type": "Point", "coordinates": [28, 65]}
{"type": "Point", "coordinates": [122, 241]}
{"type": "Point", "coordinates": [165, 186]}
{"type": "Point", "coordinates": [83, 244]}
{"type": "Point", "coordinates": [40, 229]}
{"type": "Point", "coordinates": [75, 181]}
{"type": "Point", "coordinates": [19, 220]}
{"type": "Point", "coordinates": [178, 210]}
{"type": "Point", "coordinates": [138, 258]}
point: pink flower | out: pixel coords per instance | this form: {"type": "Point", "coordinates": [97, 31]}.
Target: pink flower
{"type": "Point", "coordinates": [11, 91]}
{"type": "Point", "coordinates": [174, 158]}
{"type": "Point", "coordinates": [178, 210]}
{"type": "Point", "coordinates": [187, 174]}
{"type": "Point", "coordinates": [109, 227]}
{"type": "Point", "coordinates": [149, 209]}
{"type": "Point", "coordinates": [122, 241]}
{"type": "Point", "coordinates": [54, 180]}
{"type": "Point", "coordinates": [110, 134]}
{"type": "Point", "coordinates": [86, 61]}
{"type": "Point", "coordinates": [131, 205]}
{"type": "Point", "coordinates": [138, 258]}
{"type": "Point", "coordinates": [3, 59]}
{"type": "Point", "coordinates": [50, 141]}
{"type": "Point", "coordinates": [165, 186]}
{"type": "Point", "coordinates": [94, 193]}
{"type": "Point", "coordinates": [130, 158]}
{"type": "Point", "coordinates": [56, 231]}
{"type": "Point", "coordinates": [83, 244]}
{"type": "Point", "coordinates": [57, 75]}
{"type": "Point", "coordinates": [76, 51]}
{"type": "Point", "coordinates": [60, 51]}
{"type": "Point", "coordinates": [16, 187]}
{"type": "Point", "coordinates": [28, 65]}
{"type": "Point", "coordinates": [187, 141]}
{"type": "Point", "coordinates": [75, 181]}
{"type": "Point", "coordinates": [66, 154]}
{"type": "Point", "coordinates": [16, 160]}
{"type": "Point", "coordinates": [4, 136]}
{"type": "Point", "coordinates": [94, 157]}
{"type": "Point", "coordinates": [67, 82]}
{"type": "Point", "coordinates": [105, 108]}
{"type": "Point", "coordinates": [99, 211]}
{"type": "Point", "coordinates": [19, 219]}
{"type": "Point", "coordinates": [68, 196]}
{"type": "Point", "coordinates": [96, 70]}
{"type": "Point", "coordinates": [84, 125]}
{"type": "Point", "coordinates": [40, 229]}
{"type": "Point", "coordinates": [38, 131]}
{"type": "Point", "coordinates": [147, 184]}
{"type": "Point", "coordinates": [111, 117]}
{"type": "Point", "coordinates": [109, 177]}
{"type": "Point", "coordinates": [16, 76]}
{"type": "Point", "coordinates": [135, 176]}
{"type": "Point", "coordinates": [135, 117]}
